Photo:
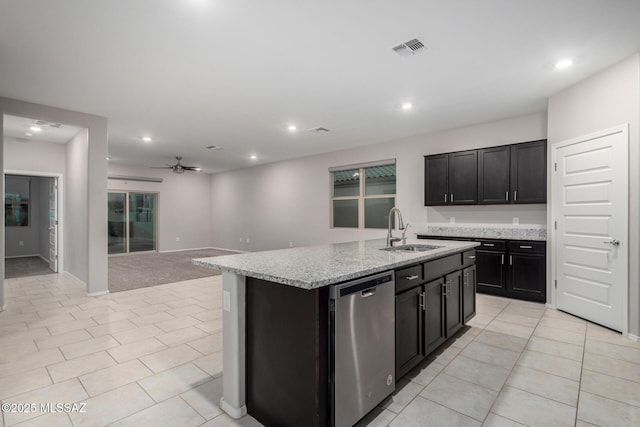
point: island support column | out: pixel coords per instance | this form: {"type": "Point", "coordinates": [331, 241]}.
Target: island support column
{"type": "Point", "coordinates": [233, 400]}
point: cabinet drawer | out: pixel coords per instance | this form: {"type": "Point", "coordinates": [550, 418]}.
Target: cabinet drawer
{"type": "Point", "coordinates": [527, 247]}
{"type": "Point", "coordinates": [408, 277]}
{"type": "Point", "coordinates": [468, 257]}
{"type": "Point", "coordinates": [440, 267]}
{"type": "Point", "coordinates": [492, 245]}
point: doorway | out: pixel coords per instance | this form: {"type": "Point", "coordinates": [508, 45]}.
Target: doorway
{"type": "Point", "coordinates": [31, 225]}
{"type": "Point", "coordinates": [132, 223]}
{"type": "Point", "coordinates": [590, 242]}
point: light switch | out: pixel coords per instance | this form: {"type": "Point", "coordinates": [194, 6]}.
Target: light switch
{"type": "Point", "coordinates": [226, 301]}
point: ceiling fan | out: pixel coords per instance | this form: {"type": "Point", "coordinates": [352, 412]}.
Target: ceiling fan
{"type": "Point", "coordinates": [179, 167]}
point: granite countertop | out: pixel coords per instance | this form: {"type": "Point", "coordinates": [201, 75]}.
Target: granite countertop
{"type": "Point", "coordinates": [312, 267]}
{"type": "Point", "coordinates": [487, 231]}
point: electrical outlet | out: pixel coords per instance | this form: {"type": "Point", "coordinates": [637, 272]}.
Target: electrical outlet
{"type": "Point", "coordinates": [177, 239]}
{"type": "Point", "coordinates": [452, 219]}
{"type": "Point", "coordinates": [516, 220]}
{"type": "Point", "coordinates": [290, 244]}
{"type": "Point", "coordinates": [226, 300]}
{"type": "Point", "coordinates": [247, 240]}
{"type": "Point", "coordinates": [241, 240]}
{"type": "Point", "coordinates": [21, 243]}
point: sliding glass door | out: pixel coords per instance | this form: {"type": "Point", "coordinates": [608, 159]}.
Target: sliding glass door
{"type": "Point", "coordinates": [132, 222]}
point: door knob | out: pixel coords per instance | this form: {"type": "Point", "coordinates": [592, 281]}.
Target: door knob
{"type": "Point", "coordinates": [613, 242]}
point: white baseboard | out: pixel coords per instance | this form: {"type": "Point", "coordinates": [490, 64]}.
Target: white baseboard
{"type": "Point", "coordinates": [97, 294]}
{"type": "Point", "coordinates": [199, 249]}
{"type": "Point", "coordinates": [549, 305]}
{"type": "Point", "coordinates": [634, 337]}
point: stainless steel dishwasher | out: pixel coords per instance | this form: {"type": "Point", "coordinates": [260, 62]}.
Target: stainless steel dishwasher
{"type": "Point", "coordinates": [363, 346]}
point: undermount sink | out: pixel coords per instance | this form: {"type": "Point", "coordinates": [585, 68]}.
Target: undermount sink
{"type": "Point", "coordinates": [411, 248]}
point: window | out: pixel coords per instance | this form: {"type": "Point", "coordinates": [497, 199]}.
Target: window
{"type": "Point", "coordinates": [17, 190]}
{"type": "Point", "coordinates": [362, 195]}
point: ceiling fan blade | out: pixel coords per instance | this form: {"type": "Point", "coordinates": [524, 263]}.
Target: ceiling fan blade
{"type": "Point", "coordinates": [191, 168]}
{"type": "Point", "coordinates": [161, 167]}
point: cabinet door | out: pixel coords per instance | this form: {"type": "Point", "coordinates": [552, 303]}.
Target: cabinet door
{"type": "Point", "coordinates": [493, 175]}
{"type": "Point", "coordinates": [409, 314]}
{"type": "Point", "coordinates": [529, 172]}
{"type": "Point", "coordinates": [469, 293]}
{"type": "Point", "coordinates": [453, 303]}
{"type": "Point", "coordinates": [435, 180]}
{"type": "Point", "coordinates": [433, 315]}
{"type": "Point", "coordinates": [527, 276]}
{"type": "Point", "coordinates": [463, 178]}
{"type": "Point", "coordinates": [490, 272]}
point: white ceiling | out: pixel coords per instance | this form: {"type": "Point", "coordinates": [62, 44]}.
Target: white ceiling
{"type": "Point", "coordinates": [193, 73]}
{"type": "Point", "coordinates": [18, 127]}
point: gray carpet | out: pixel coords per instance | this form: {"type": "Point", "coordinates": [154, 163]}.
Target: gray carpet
{"type": "Point", "coordinates": [27, 266]}
{"type": "Point", "coordinates": [142, 270]}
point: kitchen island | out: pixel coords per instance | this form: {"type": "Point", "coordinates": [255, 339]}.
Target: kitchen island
{"type": "Point", "coordinates": [276, 309]}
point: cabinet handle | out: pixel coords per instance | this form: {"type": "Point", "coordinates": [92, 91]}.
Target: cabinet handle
{"type": "Point", "coordinates": [525, 247]}
{"type": "Point", "coordinates": [466, 279]}
{"type": "Point", "coordinates": [510, 260]}
{"type": "Point", "coordinates": [421, 301]}
{"type": "Point", "coordinates": [445, 198]}
{"type": "Point", "coordinates": [444, 289]}
{"type": "Point", "coordinates": [471, 257]}
{"type": "Point", "coordinates": [412, 277]}
{"type": "Point", "coordinates": [506, 196]}
{"type": "Point", "coordinates": [502, 259]}
{"type": "Point", "coordinates": [515, 196]}
{"type": "Point", "coordinates": [451, 197]}
{"type": "Point", "coordinates": [488, 244]}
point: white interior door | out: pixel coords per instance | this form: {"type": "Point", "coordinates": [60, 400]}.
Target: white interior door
{"type": "Point", "coordinates": [53, 225]}
{"type": "Point", "coordinates": [590, 209]}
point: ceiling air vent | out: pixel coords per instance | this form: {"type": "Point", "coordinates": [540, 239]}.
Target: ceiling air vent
{"type": "Point", "coordinates": [319, 129]}
{"type": "Point", "coordinates": [412, 47]}
{"type": "Point", "coordinates": [50, 124]}
{"type": "Point", "coordinates": [215, 147]}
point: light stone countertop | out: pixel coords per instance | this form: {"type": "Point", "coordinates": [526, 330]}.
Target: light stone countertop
{"type": "Point", "coordinates": [487, 231]}
{"type": "Point", "coordinates": [312, 267]}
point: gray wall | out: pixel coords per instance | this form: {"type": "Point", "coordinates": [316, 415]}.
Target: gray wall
{"type": "Point", "coordinates": [609, 98]}
{"type": "Point", "coordinates": [29, 236]}
{"type": "Point", "coordinates": [34, 156]}
{"type": "Point", "coordinates": [184, 204]}
{"type": "Point", "coordinates": [76, 199]}
{"type": "Point", "coordinates": [288, 201]}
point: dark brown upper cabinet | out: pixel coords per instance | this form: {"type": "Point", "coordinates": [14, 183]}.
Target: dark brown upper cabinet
{"type": "Point", "coordinates": [451, 179]}
{"type": "Point", "coordinates": [493, 175]}
{"type": "Point", "coordinates": [506, 174]}
{"type": "Point", "coordinates": [529, 172]}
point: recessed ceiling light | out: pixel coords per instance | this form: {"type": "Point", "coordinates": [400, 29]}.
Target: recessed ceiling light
{"type": "Point", "coordinates": [146, 138]}
{"type": "Point", "coordinates": [28, 134]}
{"type": "Point", "coordinates": [253, 157]}
{"type": "Point", "coordinates": [35, 128]}
{"type": "Point", "coordinates": [292, 128]}
{"type": "Point", "coordinates": [563, 64]}
{"type": "Point", "coordinates": [407, 106]}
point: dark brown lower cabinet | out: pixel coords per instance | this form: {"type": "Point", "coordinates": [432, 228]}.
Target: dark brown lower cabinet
{"type": "Point", "coordinates": [490, 271]}
{"type": "Point", "coordinates": [409, 320]}
{"type": "Point", "coordinates": [468, 293]}
{"type": "Point", "coordinates": [429, 313]}
{"type": "Point", "coordinates": [434, 332]}
{"type": "Point", "coordinates": [453, 302]}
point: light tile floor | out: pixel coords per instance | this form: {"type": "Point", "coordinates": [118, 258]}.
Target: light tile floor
{"type": "Point", "coordinates": [152, 356]}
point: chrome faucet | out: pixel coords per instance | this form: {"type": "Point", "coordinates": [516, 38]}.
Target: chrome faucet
{"type": "Point", "coordinates": [390, 238]}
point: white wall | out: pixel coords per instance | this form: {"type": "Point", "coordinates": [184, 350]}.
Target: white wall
{"type": "Point", "coordinates": [288, 201]}
{"type": "Point", "coordinates": [609, 98]}
{"type": "Point", "coordinates": [184, 204]}
{"type": "Point", "coordinates": [34, 156]}
{"type": "Point", "coordinates": [76, 200]}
